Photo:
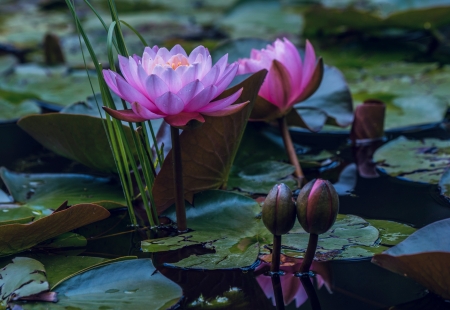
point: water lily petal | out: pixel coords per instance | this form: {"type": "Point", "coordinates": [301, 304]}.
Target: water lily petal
{"type": "Point", "coordinates": [182, 119]}
{"type": "Point", "coordinates": [201, 99]}
{"type": "Point", "coordinates": [172, 79]}
{"type": "Point", "coordinates": [228, 110]}
{"type": "Point", "coordinates": [199, 50]}
{"type": "Point", "coordinates": [143, 112]}
{"type": "Point", "coordinates": [222, 63]}
{"type": "Point", "coordinates": [191, 74]}
{"type": "Point", "coordinates": [221, 103]}
{"type": "Point", "coordinates": [130, 94]}
{"type": "Point", "coordinates": [309, 64]}
{"type": "Point", "coordinates": [125, 115]}
{"type": "Point", "coordinates": [177, 49]}
{"type": "Point", "coordinates": [169, 103]}
{"type": "Point", "coordinates": [163, 53]}
{"type": "Point", "coordinates": [124, 64]}
{"type": "Point", "coordinates": [110, 79]}
{"type": "Point", "coordinates": [277, 88]}
{"type": "Point", "coordinates": [228, 76]}
{"type": "Point", "coordinates": [155, 87]}
{"type": "Point", "coordinates": [211, 77]}
{"type": "Point", "coordinates": [190, 90]}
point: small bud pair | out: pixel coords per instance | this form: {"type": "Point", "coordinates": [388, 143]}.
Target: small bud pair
{"type": "Point", "coordinates": [317, 208]}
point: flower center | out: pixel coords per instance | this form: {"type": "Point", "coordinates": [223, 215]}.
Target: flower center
{"type": "Point", "coordinates": [177, 60]}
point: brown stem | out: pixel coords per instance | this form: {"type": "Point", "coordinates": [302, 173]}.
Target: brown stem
{"type": "Point", "coordinates": [178, 179]}
{"type": "Point", "coordinates": [278, 291]}
{"type": "Point", "coordinates": [282, 123]}
{"type": "Point", "coordinates": [310, 252]}
{"type": "Point", "coordinates": [276, 249]}
{"type": "Point", "coordinates": [311, 292]}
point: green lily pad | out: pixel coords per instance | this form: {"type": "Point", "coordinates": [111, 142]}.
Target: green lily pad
{"type": "Point", "coordinates": [216, 226]}
{"type": "Point", "coordinates": [22, 278]}
{"type": "Point", "coordinates": [236, 240]}
{"type": "Point", "coordinates": [7, 63]}
{"type": "Point", "coordinates": [66, 240]}
{"type": "Point", "coordinates": [55, 87]}
{"type": "Point", "coordinates": [415, 160]}
{"type": "Point", "coordinates": [10, 214]}
{"type": "Point", "coordinates": [60, 268]}
{"type": "Point", "coordinates": [261, 176]}
{"type": "Point", "coordinates": [131, 284]}
{"type": "Point", "coordinates": [43, 193]}
{"type": "Point", "coordinates": [270, 19]}
{"type": "Point", "coordinates": [391, 233]}
{"type": "Point", "coordinates": [14, 111]}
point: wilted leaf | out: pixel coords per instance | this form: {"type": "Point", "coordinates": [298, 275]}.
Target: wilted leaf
{"type": "Point", "coordinates": [45, 192]}
{"type": "Point", "coordinates": [424, 257]}
{"type": "Point", "coordinates": [414, 160]}
{"type": "Point", "coordinates": [131, 284]}
{"type": "Point", "coordinates": [22, 278]}
{"type": "Point", "coordinates": [209, 150]}
{"type": "Point", "coordinates": [78, 137]}
{"type": "Point", "coordinates": [19, 237]}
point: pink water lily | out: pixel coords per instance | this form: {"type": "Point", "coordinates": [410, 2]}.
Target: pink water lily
{"type": "Point", "coordinates": [290, 79]}
{"type": "Point", "coordinates": [173, 85]}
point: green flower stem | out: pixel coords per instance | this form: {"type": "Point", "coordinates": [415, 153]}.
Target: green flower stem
{"type": "Point", "coordinates": [289, 146]}
{"type": "Point", "coordinates": [278, 292]}
{"type": "Point", "coordinates": [178, 179]}
{"type": "Point", "coordinates": [311, 292]}
{"type": "Point", "coordinates": [276, 249]}
{"type": "Point", "coordinates": [310, 252]}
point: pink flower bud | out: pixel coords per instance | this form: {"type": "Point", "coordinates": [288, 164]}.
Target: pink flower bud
{"type": "Point", "coordinates": [278, 211]}
{"type": "Point", "coordinates": [317, 206]}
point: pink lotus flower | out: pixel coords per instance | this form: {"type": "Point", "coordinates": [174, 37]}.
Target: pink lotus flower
{"type": "Point", "coordinates": [289, 80]}
{"type": "Point", "coordinates": [172, 85]}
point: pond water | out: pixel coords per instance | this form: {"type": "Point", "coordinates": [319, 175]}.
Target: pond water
{"type": "Point", "coordinates": [350, 284]}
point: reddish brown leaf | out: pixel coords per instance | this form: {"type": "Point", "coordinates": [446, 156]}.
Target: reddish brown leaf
{"type": "Point", "coordinates": [368, 123]}
{"type": "Point", "coordinates": [209, 150]}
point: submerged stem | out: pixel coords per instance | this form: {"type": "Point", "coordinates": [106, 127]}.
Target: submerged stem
{"type": "Point", "coordinates": [278, 292]}
{"type": "Point", "coordinates": [289, 146]}
{"type": "Point", "coordinates": [310, 252]}
{"type": "Point", "coordinates": [178, 179]}
{"type": "Point", "coordinates": [311, 292]}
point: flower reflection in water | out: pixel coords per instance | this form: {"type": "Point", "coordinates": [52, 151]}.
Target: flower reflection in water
{"type": "Point", "coordinates": [291, 286]}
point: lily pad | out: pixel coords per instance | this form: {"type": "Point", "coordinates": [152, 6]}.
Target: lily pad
{"type": "Point", "coordinates": [54, 87]}
{"type": "Point", "coordinates": [14, 111]}
{"type": "Point", "coordinates": [414, 160]}
{"type": "Point", "coordinates": [351, 237]}
{"type": "Point", "coordinates": [131, 284]}
{"type": "Point", "coordinates": [270, 19]}
{"type": "Point", "coordinates": [261, 176]}
{"type": "Point", "coordinates": [10, 214]}
{"type": "Point", "coordinates": [424, 257]}
{"type": "Point", "coordinates": [216, 226]}
{"type": "Point", "coordinates": [236, 241]}
{"type": "Point", "coordinates": [444, 184]}
{"type": "Point", "coordinates": [22, 278]}
{"type": "Point", "coordinates": [16, 238]}
{"type": "Point", "coordinates": [43, 193]}
{"type": "Point", "coordinates": [78, 137]}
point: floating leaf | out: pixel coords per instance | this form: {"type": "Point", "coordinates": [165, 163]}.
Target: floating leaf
{"type": "Point", "coordinates": [215, 225]}
{"type": "Point", "coordinates": [78, 137]}
{"type": "Point", "coordinates": [424, 256]}
{"type": "Point", "coordinates": [269, 17]}
{"type": "Point", "coordinates": [10, 214]}
{"type": "Point", "coordinates": [444, 184]}
{"type": "Point", "coordinates": [19, 237]}
{"type": "Point", "coordinates": [414, 160]}
{"type": "Point", "coordinates": [66, 240]}
{"type": "Point", "coordinates": [13, 111]}
{"type": "Point", "coordinates": [131, 284]}
{"type": "Point", "coordinates": [54, 87]}
{"type": "Point", "coordinates": [237, 239]}
{"type": "Point", "coordinates": [45, 192]}
{"type": "Point", "coordinates": [261, 176]}
{"type": "Point", "coordinates": [22, 278]}
{"type": "Point", "coordinates": [209, 150]}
